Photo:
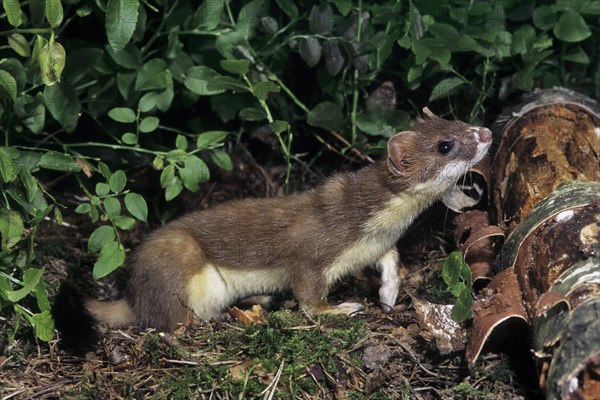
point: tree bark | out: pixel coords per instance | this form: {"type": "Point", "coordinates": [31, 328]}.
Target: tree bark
{"type": "Point", "coordinates": [546, 196]}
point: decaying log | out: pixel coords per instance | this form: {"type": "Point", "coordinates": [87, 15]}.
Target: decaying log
{"type": "Point", "coordinates": [546, 196]}
{"type": "Point", "coordinates": [551, 138]}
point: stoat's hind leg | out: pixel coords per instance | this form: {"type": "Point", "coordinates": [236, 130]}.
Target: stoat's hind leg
{"type": "Point", "coordinates": [390, 279]}
{"type": "Point", "coordinates": [161, 271]}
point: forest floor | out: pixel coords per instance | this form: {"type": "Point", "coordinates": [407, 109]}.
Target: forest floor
{"type": "Point", "coordinates": [285, 354]}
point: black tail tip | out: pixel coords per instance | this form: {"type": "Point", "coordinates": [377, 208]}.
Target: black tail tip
{"type": "Point", "coordinates": [77, 327]}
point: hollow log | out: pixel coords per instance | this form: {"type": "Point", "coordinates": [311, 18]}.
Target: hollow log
{"type": "Point", "coordinates": [546, 197]}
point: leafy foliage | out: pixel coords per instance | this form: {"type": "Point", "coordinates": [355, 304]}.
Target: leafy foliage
{"type": "Point", "coordinates": [457, 275]}
{"type": "Point", "coordinates": [167, 83]}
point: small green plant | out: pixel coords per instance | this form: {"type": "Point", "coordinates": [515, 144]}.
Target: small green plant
{"type": "Point", "coordinates": [457, 275]}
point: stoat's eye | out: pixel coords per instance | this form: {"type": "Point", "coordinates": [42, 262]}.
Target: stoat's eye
{"type": "Point", "coordinates": [445, 146]}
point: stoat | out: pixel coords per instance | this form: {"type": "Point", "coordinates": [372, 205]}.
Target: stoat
{"type": "Point", "coordinates": [207, 260]}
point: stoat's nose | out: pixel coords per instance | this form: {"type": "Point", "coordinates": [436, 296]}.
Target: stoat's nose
{"type": "Point", "coordinates": [485, 135]}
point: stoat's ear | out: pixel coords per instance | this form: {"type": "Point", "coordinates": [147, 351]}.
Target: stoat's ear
{"type": "Point", "coordinates": [397, 150]}
{"type": "Point", "coordinates": [428, 113]}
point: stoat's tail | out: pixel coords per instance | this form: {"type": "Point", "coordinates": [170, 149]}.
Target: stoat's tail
{"type": "Point", "coordinates": [76, 318]}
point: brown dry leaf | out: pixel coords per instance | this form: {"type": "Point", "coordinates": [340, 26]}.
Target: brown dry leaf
{"type": "Point", "coordinates": [85, 167]}
{"type": "Point", "coordinates": [376, 356]}
{"type": "Point", "coordinates": [239, 371]}
{"type": "Point", "coordinates": [256, 315]}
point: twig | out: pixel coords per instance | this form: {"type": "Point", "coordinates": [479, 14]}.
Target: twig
{"type": "Point", "coordinates": [414, 358]}
{"type": "Point", "coordinates": [273, 385]}
{"type": "Point", "coordinates": [362, 156]}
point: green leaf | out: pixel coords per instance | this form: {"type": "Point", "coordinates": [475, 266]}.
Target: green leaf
{"type": "Point", "coordinates": [458, 288]}
{"type": "Point", "coordinates": [63, 104]}
{"type": "Point", "coordinates": [13, 12]}
{"type": "Point", "coordinates": [112, 256]}
{"type": "Point", "coordinates": [104, 170]}
{"type": "Point", "coordinates": [181, 142]}
{"type": "Point", "coordinates": [270, 24]}
{"type": "Point", "coordinates": [31, 278]}
{"type": "Point", "coordinates": [523, 40]}
{"type": "Point", "coordinates": [154, 75]}
{"type": "Point", "coordinates": [465, 274]}
{"type": "Point", "coordinates": [571, 28]}
{"type": "Point", "coordinates": [208, 15]}
{"type": "Point", "coordinates": [19, 44]}
{"type": "Point", "coordinates": [54, 12]}
{"type": "Point", "coordinates": [158, 163]}
{"type": "Point", "coordinates": [122, 114]}
{"type": "Point", "coordinates": [117, 181]}
{"type": "Point", "coordinates": [8, 85]}
{"type": "Point", "coordinates": [194, 172]}
{"type": "Point", "coordinates": [136, 205]}
{"type": "Point", "coordinates": [252, 114]}
{"type": "Point", "coordinates": [462, 309]}
{"type": "Point", "coordinates": [578, 56]}
{"type": "Point", "coordinates": [544, 17]}
{"type": "Point", "coordinates": [43, 325]}
{"type": "Point", "coordinates": [445, 33]}
{"type": "Point", "coordinates": [11, 228]}
{"type": "Point", "coordinates": [112, 207]}
{"type": "Point", "coordinates": [343, 6]}
{"type": "Point", "coordinates": [210, 139]}
{"type": "Point", "coordinates": [173, 189]}
{"type": "Point", "coordinates": [31, 111]}
{"type": "Point", "coordinates": [121, 19]}
{"type": "Point", "coordinates": [30, 184]}
{"type": "Point", "coordinates": [102, 235]}
{"type": "Point", "coordinates": [446, 87]}
{"type": "Point", "coordinates": [125, 223]}
{"type": "Point", "coordinates": [51, 60]}
{"type": "Point", "coordinates": [148, 102]}
{"type": "Point", "coordinates": [102, 189]}
{"type": "Point", "coordinates": [310, 51]}
{"type": "Point", "coordinates": [83, 208]}
{"type": "Point", "coordinates": [149, 124]}
{"type": "Point", "coordinates": [59, 162]}
{"type": "Point", "coordinates": [222, 159]}
{"type": "Point", "coordinates": [249, 17]}
{"type": "Point", "coordinates": [240, 67]}
{"type": "Point", "coordinates": [167, 176]}
{"type": "Point", "coordinates": [199, 80]}
{"type": "Point", "coordinates": [128, 57]}
{"type": "Point", "coordinates": [262, 90]}
{"type": "Point", "coordinates": [279, 126]}
{"type": "Point", "coordinates": [321, 19]}
{"type": "Point", "coordinates": [8, 169]}
{"type": "Point", "coordinates": [165, 98]}
{"type": "Point", "coordinates": [327, 115]}
{"type": "Point", "coordinates": [288, 7]}
{"type": "Point", "coordinates": [229, 83]}
{"type": "Point", "coordinates": [129, 138]}
{"type": "Point", "coordinates": [451, 268]}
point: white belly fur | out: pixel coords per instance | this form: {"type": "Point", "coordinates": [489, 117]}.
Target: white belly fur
{"type": "Point", "coordinates": [216, 287]}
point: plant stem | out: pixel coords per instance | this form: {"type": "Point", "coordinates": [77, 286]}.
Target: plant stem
{"type": "Point", "coordinates": [356, 74]}
{"type": "Point", "coordinates": [115, 147]}
{"type": "Point", "coordinates": [287, 90]}
{"type": "Point", "coordinates": [28, 30]}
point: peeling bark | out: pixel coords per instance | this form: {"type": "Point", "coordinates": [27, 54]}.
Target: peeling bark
{"type": "Point", "coordinates": [546, 196]}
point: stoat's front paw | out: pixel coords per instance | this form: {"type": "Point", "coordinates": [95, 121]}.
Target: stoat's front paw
{"type": "Point", "coordinates": [347, 308]}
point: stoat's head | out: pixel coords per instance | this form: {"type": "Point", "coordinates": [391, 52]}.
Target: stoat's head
{"type": "Point", "coordinates": [435, 152]}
